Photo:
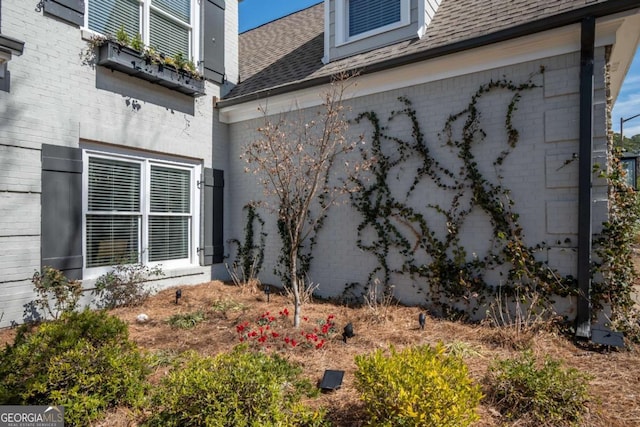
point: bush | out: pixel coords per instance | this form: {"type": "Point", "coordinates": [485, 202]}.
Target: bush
{"type": "Point", "coordinates": [549, 395]}
{"type": "Point", "coordinates": [125, 285]}
{"type": "Point", "coordinates": [239, 388]}
{"type": "Point", "coordinates": [419, 386]}
{"type": "Point", "coordinates": [52, 284]}
{"type": "Point", "coordinates": [84, 362]}
{"type": "Point", "coordinates": [186, 320]}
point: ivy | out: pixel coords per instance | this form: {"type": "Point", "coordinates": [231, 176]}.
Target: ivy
{"type": "Point", "coordinates": [613, 270]}
{"type": "Point", "coordinates": [454, 279]}
{"type": "Point", "coordinates": [250, 254]}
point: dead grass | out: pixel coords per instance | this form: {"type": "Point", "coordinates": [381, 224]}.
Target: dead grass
{"type": "Point", "coordinates": [616, 377]}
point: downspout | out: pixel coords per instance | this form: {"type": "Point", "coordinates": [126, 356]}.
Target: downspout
{"type": "Point", "coordinates": [587, 41]}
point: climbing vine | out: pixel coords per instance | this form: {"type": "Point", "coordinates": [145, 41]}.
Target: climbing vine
{"type": "Point", "coordinates": [613, 269]}
{"type": "Point", "coordinates": [250, 255]}
{"type": "Point", "coordinates": [455, 280]}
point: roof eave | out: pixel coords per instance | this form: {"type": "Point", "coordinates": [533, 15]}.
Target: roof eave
{"type": "Point", "coordinates": [596, 10]}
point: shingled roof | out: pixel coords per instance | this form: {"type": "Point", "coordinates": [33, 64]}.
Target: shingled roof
{"type": "Point", "coordinates": [286, 54]}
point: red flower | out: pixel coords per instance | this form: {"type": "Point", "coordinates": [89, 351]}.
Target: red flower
{"type": "Point", "coordinates": [305, 318]}
{"type": "Point", "coordinates": [262, 338]}
{"type": "Point", "coordinates": [331, 316]}
{"type": "Point", "coordinates": [275, 334]}
{"type": "Point", "coordinates": [320, 344]}
{"type": "Point", "coordinates": [286, 339]}
{"type": "Point", "coordinates": [294, 343]}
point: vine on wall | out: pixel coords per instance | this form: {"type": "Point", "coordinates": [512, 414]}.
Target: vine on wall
{"type": "Point", "coordinates": [250, 255]}
{"type": "Point", "coordinates": [613, 269]}
{"type": "Point", "coordinates": [454, 280]}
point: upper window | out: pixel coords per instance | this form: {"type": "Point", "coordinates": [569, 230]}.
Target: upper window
{"type": "Point", "coordinates": [139, 208]}
{"type": "Point", "coordinates": [357, 19]}
{"type": "Point", "coordinates": [166, 25]}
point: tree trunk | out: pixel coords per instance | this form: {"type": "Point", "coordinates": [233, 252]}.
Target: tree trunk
{"type": "Point", "coordinates": [295, 286]}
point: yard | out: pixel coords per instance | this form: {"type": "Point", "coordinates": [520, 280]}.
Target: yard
{"type": "Point", "coordinates": [221, 308]}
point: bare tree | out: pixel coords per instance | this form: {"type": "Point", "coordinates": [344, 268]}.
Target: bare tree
{"type": "Point", "coordinates": [297, 161]}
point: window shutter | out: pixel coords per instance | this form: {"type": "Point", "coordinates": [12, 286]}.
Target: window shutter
{"type": "Point", "coordinates": [213, 40]}
{"type": "Point", "coordinates": [70, 11]}
{"type": "Point", "coordinates": [213, 244]}
{"type": "Point", "coordinates": [61, 215]}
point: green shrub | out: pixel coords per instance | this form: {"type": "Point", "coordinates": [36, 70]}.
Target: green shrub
{"type": "Point", "coordinates": [186, 320]}
{"type": "Point", "coordinates": [239, 388]}
{"type": "Point", "coordinates": [83, 361]}
{"type": "Point", "coordinates": [419, 386]}
{"type": "Point", "coordinates": [544, 395]}
{"type": "Point", "coordinates": [52, 284]}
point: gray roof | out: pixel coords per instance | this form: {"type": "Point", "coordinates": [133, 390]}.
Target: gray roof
{"type": "Point", "coordinates": [286, 53]}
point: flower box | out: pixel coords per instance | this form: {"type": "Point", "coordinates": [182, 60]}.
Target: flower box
{"type": "Point", "coordinates": [124, 59]}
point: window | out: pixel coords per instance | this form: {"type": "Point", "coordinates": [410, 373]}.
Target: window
{"type": "Point", "coordinates": [358, 19]}
{"type": "Point", "coordinates": [367, 15]}
{"type": "Point", "coordinates": [139, 207]}
{"type": "Point", "coordinates": [166, 25]}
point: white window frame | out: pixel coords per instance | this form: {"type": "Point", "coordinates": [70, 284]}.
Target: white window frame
{"type": "Point", "coordinates": [145, 162]}
{"type": "Point", "coordinates": [145, 25]}
{"type": "Point", "coordinates": [342, 36]}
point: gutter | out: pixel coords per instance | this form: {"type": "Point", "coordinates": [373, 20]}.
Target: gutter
{"type": "Point", "coordinates": [596, 10]}
{"type": "Point", "coordinates": [11, 45]}
{"type": "Point", "coordinates": [587, 42]}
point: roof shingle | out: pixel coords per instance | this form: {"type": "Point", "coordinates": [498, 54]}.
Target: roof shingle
{"type": "Point", "coordinates": [289, 50]}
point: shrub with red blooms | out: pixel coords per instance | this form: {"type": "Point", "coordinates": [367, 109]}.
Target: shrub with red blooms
{"type": "Point", "coordinates": [268, 331]}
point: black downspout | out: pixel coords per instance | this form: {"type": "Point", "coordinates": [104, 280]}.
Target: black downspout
{"type": "Point", "coordinates": [583, 315]}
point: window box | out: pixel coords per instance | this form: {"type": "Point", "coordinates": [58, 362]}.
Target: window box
{"type": "Point", "coordinates": [116, 57]}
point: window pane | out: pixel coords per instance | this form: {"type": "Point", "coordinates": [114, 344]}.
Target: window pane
{"type": "Point", "coordinates": [106, 16]}
{"type": "Point", "coordinates": [168, 36]}
{"type": "Point", "coordinates": [112, 239]}
{"type": "Point", "coordinates": [114, 185]}
{"type": "Point", "coordinates": [365, 15]}
{"type": "Point", "coordinates": [180, 9]}
{"type": "Point", "coordinates": [168, 237]}
{"type": "Point", "coordinates": [170, 190]}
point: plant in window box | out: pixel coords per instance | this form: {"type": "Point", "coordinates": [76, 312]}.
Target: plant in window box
{"type": "Point", "coordinates": [129, 56]}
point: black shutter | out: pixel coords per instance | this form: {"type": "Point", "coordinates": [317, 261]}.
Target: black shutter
{"type": "Point", "coordinates": [213, 242]}
{"type": "Point", "coordinates": [71, 11]}
{"type": "Point", "coordinates": [61, 210]}
{"type": "Point", "coordinates": [213, 40]}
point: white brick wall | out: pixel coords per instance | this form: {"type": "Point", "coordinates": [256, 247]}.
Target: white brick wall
{"type": "Point", "coordinates": [56, 99]}
{"type": "Point", "coordinates": [545, 190]}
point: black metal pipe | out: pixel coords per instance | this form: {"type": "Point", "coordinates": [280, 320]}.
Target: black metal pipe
{"type": "Point", "coordinates": [587, 42]}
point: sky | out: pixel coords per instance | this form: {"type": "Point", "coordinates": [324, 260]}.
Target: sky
{"type": "Point", "coordinates": [254, 13]}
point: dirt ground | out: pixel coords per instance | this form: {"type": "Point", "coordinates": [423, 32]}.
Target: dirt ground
{"type": "Point", "coordinates": [615, 387]}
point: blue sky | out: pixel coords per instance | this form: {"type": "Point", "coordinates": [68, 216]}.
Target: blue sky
{"type": "Point", "coordinates": [257, 12]}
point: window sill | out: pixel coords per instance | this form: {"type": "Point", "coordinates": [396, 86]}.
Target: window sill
{"type": "Point", "coordinates": [126, 60]}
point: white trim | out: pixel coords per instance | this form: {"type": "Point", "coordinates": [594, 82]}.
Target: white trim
{"type": "Point", "coordinates": [146, 162]}
{"type": "Point", "coordinates": [341, 16]}
{"type": "Point", "coordinates": [529, 48]}
{"type": "Point", "coordinates": [426, 11]}
{"type": "Point", "coordinates": [327, 32]}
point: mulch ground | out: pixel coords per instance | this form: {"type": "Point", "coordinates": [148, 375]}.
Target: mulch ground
{"type": "Point", "coordinates": [615, 387]}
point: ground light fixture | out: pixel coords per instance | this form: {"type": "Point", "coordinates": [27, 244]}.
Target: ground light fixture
{"type": "Point", "coordinates": [178, 295]}
{"type": "Point", "coordinates": [348, 332]}
{"type": "Point", "coordinates": [267, 291]}
{"type": "Point", "coordinates": [422, 319]}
